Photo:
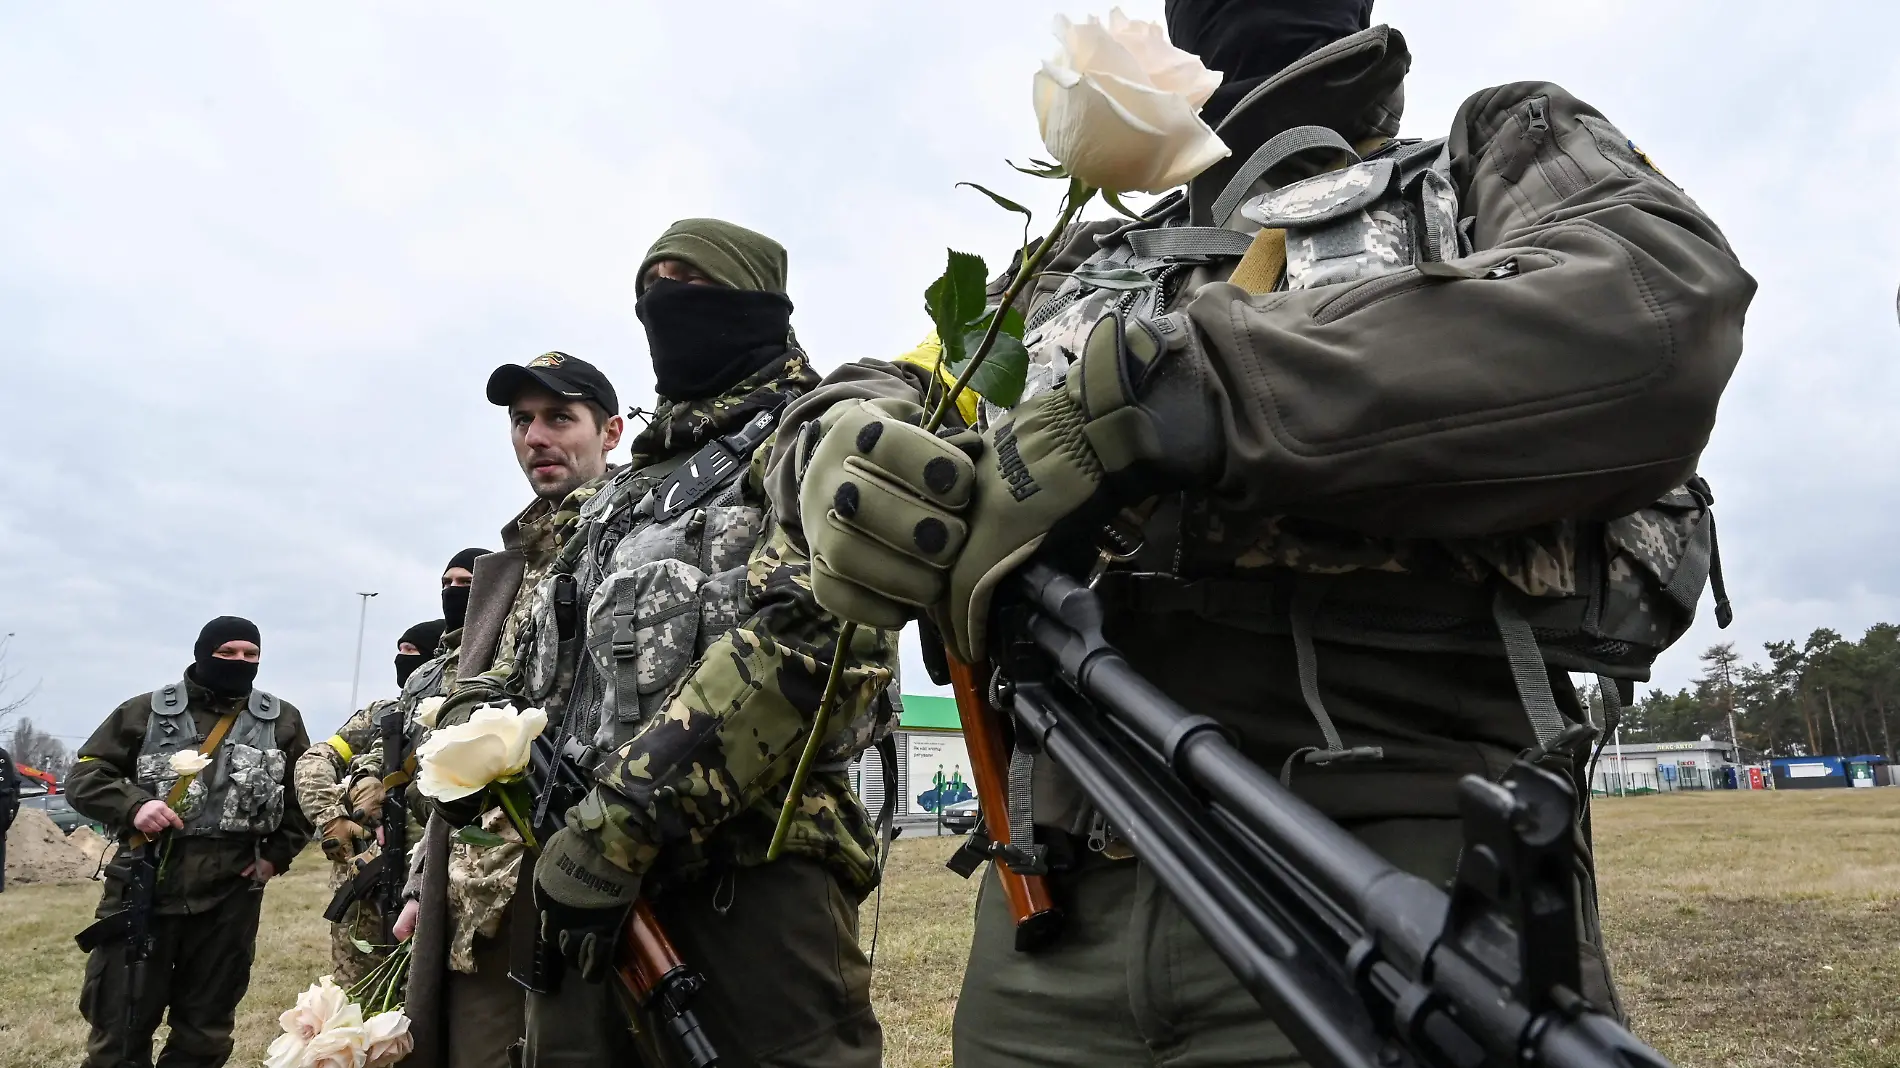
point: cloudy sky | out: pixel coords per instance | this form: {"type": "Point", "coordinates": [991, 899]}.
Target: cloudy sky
{"type": "Point", "coordinates": [256, 262]}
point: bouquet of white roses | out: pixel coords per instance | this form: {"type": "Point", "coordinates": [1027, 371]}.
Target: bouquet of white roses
{"type": "Point", "coordinates": [362, 1027]}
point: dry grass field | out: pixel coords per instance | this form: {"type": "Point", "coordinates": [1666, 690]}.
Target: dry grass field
{"type": "Point", "coordinates": [1747, 930]}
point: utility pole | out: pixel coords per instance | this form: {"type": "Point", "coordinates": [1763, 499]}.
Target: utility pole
{"type": "Point", "coordinates": [1835, 723]}
{"type": "Point", "coordinates": [356, 673]}
{"type": "Point", "coordinates": [1622, 769]}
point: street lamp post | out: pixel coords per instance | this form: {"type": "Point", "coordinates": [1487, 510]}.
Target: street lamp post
{"type": "Point", "coordinates": [356, 672]}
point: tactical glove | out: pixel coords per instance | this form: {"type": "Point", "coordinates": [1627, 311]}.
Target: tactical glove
{"type": "Point", "coordinates": [900, 520]}
{"type": "Point", "coordinates": [340, 837]}
{"type": "Point", "coordinates": [366, 798]}
{"type": "Point", "coordinates": [583, 900]}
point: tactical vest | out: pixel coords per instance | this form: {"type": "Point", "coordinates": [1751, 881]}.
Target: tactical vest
{"type": "Point", "coordinates": [1389, 221]}
{"type": "Point", "coordinates": [241, 793]}
{"type": "Point", "coordinates": [656, 573]}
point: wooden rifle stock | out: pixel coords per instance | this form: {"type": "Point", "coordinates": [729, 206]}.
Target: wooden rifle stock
{"type": "Point", "coordinates": [1037, 917]}
{"type": "Point", "coordinates": [657, 979]}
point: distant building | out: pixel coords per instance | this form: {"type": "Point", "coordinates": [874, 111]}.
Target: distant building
{"type": "Point", "coordinates": [933, 767]}
{"type": "Point", "coordinates": [1659, 767]}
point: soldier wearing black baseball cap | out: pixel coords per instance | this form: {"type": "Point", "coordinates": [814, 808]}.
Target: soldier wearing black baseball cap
{"type": "Point", "coordinates": [559, 374]}
{"type": "Point", "coordinates": [561, 415]}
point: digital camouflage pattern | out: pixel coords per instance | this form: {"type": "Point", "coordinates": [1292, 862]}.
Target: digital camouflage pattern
{"type": "Point", "coordinates": [325, 769]}
{"type": "Point", "coordinates": [322, 774]}
{"type": "Point", "coordinates": [704, 780]}
{"type": "Point", "coordinates": [481, 884]}
{"type": "Point", "coordinates": [482, 879]}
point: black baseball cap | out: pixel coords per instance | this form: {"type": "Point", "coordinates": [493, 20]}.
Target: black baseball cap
{"type": "Point", "coordinates": [558, 373]}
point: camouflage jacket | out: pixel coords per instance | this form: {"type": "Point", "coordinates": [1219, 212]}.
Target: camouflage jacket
{"type": "Point", "coordinates": [324, 769]}
{"type": "Point", "coordinates": [200, 872]}
{"type": "Point", "coordinates": [481, 880]}
{"type": "Point", "coordinates": [701, 781]}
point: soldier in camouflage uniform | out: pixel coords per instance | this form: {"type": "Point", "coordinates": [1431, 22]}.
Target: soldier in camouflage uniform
{"type": "Point", "coordinates": [222, 834]}
{"type": "Point", "coordinates": [339, 785]}
{"type": "Point", "coordinates": [698, 657]}
{"type": "Point", "coordinates": [1402, 444]}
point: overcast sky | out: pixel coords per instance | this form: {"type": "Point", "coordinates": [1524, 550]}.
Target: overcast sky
{"type": "Point", "coordinates": [256, 262]}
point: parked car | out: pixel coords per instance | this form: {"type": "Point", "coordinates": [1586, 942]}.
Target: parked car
{"type": "Point", "coordinates": [960, 817]}
{"type": "Point", "coordinates": [64, 816]}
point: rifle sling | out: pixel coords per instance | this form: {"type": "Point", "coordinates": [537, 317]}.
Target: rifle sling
{"type": "Point", "coordinates": [177, 794]}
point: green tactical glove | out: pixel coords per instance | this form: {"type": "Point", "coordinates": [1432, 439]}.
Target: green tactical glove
{"type": "Point", "coordinates": [899, 520]}
{"type": "Point", "coordinates": [583, 901]}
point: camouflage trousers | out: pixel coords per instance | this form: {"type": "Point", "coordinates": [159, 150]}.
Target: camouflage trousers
{"type": "Point", "coordinates": [349, 961]}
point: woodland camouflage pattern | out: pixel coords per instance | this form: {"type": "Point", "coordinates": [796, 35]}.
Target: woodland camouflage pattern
{"type": "Point", "coordinates": [703, 780]}
{"type": "Point", "coordinates": [716, 757]}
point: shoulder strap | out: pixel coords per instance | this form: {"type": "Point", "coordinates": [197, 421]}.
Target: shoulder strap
{"type": "Point", "coordinates": [710, 468]}
{"type": "Point", "coordinates": [177, 792]}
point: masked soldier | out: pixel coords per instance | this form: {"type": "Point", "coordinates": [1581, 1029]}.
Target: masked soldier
{"type": "Point", "coordinates": [339, 786]}
{"type": "Point", "coordinates": [216, 837]}
{"type": "Point", "coordinates": [697, 659]}
{"type": "Point", "coordinates": [1405, 430]}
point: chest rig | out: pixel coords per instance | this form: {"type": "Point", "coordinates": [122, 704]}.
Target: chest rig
{"type": "Point", "coordinates": [1371, 226]}
{"type": "Point", "coordinates": [655, 574]}
{"type": "Point", "coordinates": [241, 793]}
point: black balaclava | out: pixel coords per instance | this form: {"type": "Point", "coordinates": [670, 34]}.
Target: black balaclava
{"type": "Point", "coordinates": [424, 636]}
{"type": "Point", "coordinates": [226, 678]}
{"type": "Point", "coordinates": [1249, 41]}
{"type": "Point", "coordinates": [704, 339]}
{"type": "Point", "coordinates": [455, 598]}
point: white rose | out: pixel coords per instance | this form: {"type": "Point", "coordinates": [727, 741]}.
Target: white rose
{"type": "Point", "coordinates": [286, 1051]}
{"type": "Point", "coordinates": [1120, 106]}
{"type": "Point", "coordinates": [338, 1047]}
{"type": "Point", "coordinates": [426, 711]}
{"type": "Point", "coordinates": [494, 744]}
{"type": "Point", "coordinates": [316, 1007]}
{"type": "Point", "coordinates": [388, 1038]}
{"type": "Point", "coordinates": [189, 762]}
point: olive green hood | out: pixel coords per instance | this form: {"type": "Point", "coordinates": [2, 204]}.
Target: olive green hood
{"type": "Point", "coordinates": [728, 254]}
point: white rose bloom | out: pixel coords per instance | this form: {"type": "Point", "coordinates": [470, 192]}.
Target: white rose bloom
{"type": "Point", "coordinates": [456, 761]}
{"type": "Point", "coordinates": [189, 762]}
{"type": "Point", "coordinates": [1120, 106]}
{"type": "Point", "coordinates": [338, 1047]}
{"type": "Point", "coordinates": [426, 711]}
{"type": "Point", "coordinates": [286, 1051]}
{"type": "Point", "coordinates": [388, 1038]}
{"type": "Point", "coordinates": [316, 1007]}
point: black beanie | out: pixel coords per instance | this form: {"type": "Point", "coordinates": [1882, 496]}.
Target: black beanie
{"type": "Point", "coordinates": [226, 677]}
{"type": "Point", "coordinates": [465, 559]}
{"type": "Point", "coordinates": [224, 629]}
{"type": "Point", "coordinates": [425, 637]}
{"type": "Point", "coordinates": [1249, 41]}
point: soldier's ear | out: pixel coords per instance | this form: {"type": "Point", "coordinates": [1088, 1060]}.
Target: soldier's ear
{"type": "Point", "coordinates": [615, 427]}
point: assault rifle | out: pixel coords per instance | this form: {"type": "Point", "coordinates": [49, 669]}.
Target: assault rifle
{"type": "Point", "coordinates": [648, 968]}
{"type": "Point", "coordinates": [1361, 964]}
{"type": "Point", "coordinates": [380, 880]}
{"type": "Point", "coordinates": [132, 924]}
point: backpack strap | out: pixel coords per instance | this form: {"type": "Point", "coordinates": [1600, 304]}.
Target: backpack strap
{"type": "Point", "coordinates": [712, 466]}
{"type": "Point", "coordinates": [1277, 150]}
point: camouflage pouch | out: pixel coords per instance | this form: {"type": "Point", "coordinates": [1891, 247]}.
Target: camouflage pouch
{"type": "Point", "coordinates": [254, 789]}
{"type": "Point", "coordinates": [641, 629]}
{"type": "Point", "coordinates": [1372, 218]}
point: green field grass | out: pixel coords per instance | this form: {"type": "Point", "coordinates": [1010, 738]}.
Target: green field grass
{"type": "Point", "coordinates": [1752, 930]}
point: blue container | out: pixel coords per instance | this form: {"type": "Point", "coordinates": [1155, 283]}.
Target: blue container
{"type": "Point", "coordinates": [1808, 773]}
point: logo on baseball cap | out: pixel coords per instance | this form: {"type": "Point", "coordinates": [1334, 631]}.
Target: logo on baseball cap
{"type": "Point", "coordinates": [558, 373]}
